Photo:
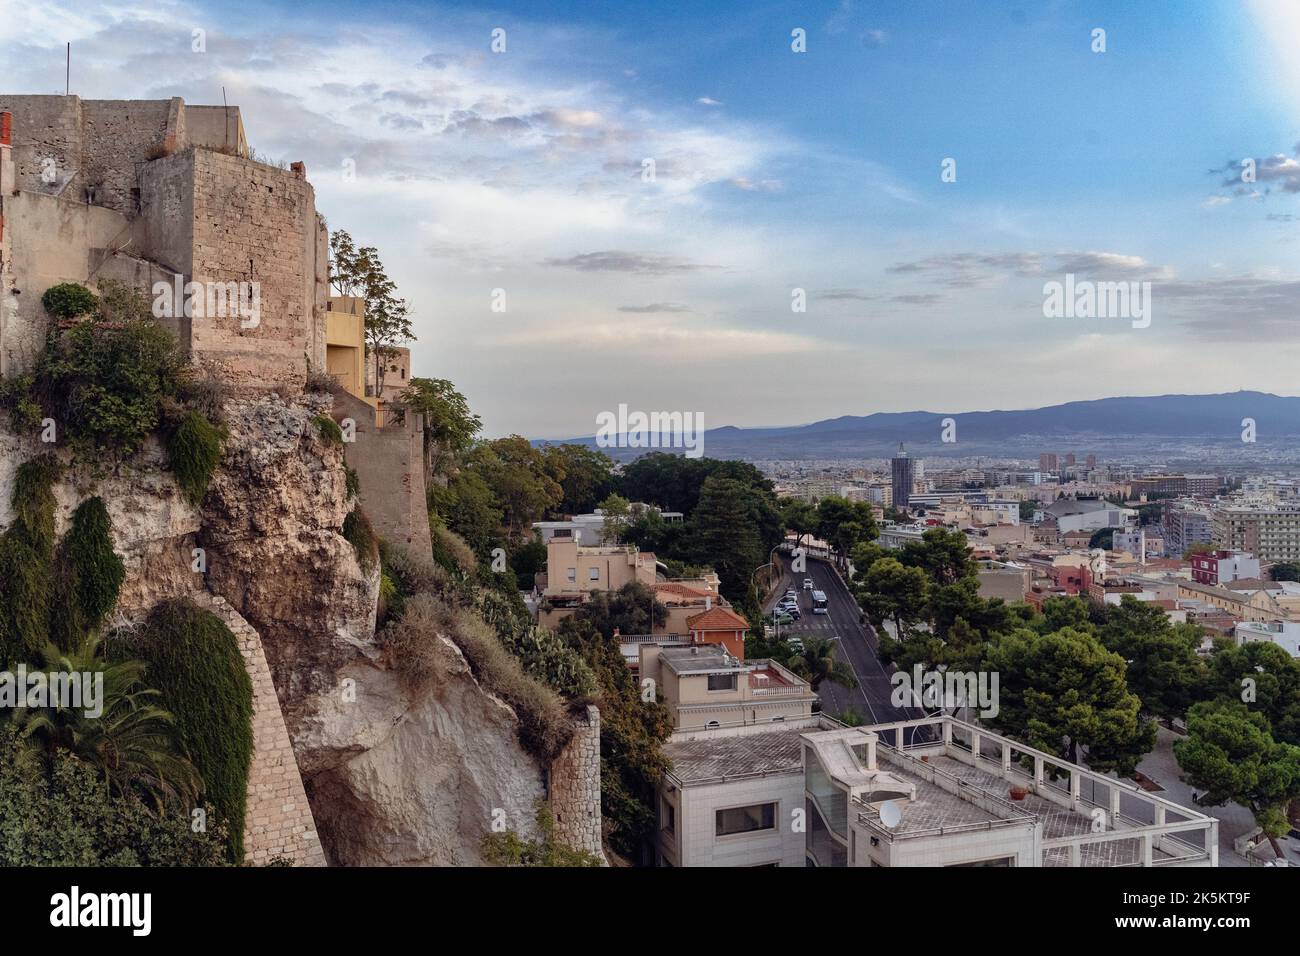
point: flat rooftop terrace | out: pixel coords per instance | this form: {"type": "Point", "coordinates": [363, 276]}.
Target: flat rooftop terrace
{"type": "Point", "coordinates": [963, 777]}
{"type": "Point", "coordinates": [938, 808]}
{"type": "Point", "coordinates": [720, 758]}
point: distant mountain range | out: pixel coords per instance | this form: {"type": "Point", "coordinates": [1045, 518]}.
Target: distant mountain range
{"type": "Point", "coordinates": [1167, 424]}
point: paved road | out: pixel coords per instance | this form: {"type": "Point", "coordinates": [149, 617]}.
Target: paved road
{"type": "Point", "coordinates": [858, 644]}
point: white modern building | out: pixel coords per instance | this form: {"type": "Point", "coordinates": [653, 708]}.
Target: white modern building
{"type": "Point", "coordinates": [1285, 634]}
{"type": "Point", "coordinates": [1089, 514]}
{"type": "Point", "coordinates": [590, 528]}
{"type": "Point", "coordinates": [735, 796]}
{"type": "Point", "coordinates": [930, 792]}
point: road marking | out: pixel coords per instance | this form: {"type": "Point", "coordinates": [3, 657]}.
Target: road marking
{"type": "Point", "coordinates": [865, 696]}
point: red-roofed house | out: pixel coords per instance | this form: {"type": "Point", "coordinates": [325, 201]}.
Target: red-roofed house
{"type": "Point", "coordinates": [720, 625]}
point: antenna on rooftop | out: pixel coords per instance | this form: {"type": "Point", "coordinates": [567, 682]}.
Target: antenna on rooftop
{"type": "Point", "coordinates": [67, 73]}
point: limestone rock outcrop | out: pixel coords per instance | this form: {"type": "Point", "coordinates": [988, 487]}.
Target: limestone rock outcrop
{"type": "Point", "coordinates": [392, 776]}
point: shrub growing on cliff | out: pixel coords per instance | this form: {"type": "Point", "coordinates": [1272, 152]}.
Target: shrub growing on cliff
{"type": "Point", "coordinates": [105, 378]}
{"type": "Point", "coordinates": [69, 300]}
{"type": "Point", "coordinates": [542, 653]}
{"type": "Point", "coordinates": [451, 551]}
{"type": "Point", "coordinates": [320, 382]}
{"type": "Point", "coordinates": [632, 732]}
{"type": "Point", "coordinates": [17, 398]}
{"type": "Point", "coordinates": [194, 452]}
{"type": "Point", "coordinates": [27, 560]}
{"type": "Point", "coordinates": [89, 575]}
{"type": "Point", "coordinates": [361, 535]}
{"type": "Point", "coordinates": [411, 644]}
{"type": "Point", "coordinates": [71, 818]}
{"type": "Point", "coordinates": [509, 849]}
{"type": "Point", "coordinates": [194, 660]}
{"type": "Point", "coordinates": [329, 429]}
{"type": "Point", "coordinates": [409, 573]}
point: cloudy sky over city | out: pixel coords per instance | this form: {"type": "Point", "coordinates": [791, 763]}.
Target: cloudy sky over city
{"type": "Point", "coordinates": [524, 171]}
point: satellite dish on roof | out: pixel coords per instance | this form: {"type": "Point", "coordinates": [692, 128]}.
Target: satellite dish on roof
{"type": "Point", "coordinates": [890, 814]}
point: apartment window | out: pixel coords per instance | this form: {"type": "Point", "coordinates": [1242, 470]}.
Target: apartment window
{"type": "Point", "coordinates": [997, 861]}
{"type": "Point", "coordinates": [751, 819]}
{"type": "Point", "coordinates": [722, 682]}
{"type": "Point", "coordinates": [573, 574]}
{"type": "Point", "coordinates": [593, 574]}
{"type": "Point", "coordinates": [669, 818]}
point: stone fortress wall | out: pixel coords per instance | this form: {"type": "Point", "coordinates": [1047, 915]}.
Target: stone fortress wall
{"type": "Point", "coordinates": [133, 191]}
{"type": "Point", "coordinates": [129, 189]}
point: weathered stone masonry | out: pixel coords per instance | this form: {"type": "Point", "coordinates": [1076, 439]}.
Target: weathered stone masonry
{"type": "Point", "coordinates": [575, 787]}
{"type": "Point", "coordinates": [278, 821]}
{"type": "Point", "coordinates": [131, 190]}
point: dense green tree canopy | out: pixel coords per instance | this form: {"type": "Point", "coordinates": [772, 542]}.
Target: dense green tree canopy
{"type": "Point", "coordinates": [585, 475]}
{"type": "Point", "coordinates": [1063, 692]}
{"type": "Point", "coordinates": [1163, 668]}
{"type": "Point", "coordinates": [1231, 754]}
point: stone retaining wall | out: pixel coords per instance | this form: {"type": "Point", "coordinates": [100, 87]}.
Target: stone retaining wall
{"type": "Point", "coordinates": [575, 787]}
{"type": "Point", "coordinates": [277, 821]}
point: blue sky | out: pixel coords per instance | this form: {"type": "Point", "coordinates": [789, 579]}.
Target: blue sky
{"type": "Point", "coordinates": [521, 171]}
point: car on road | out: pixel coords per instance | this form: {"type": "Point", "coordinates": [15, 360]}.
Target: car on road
{"type": "Point", "coordinates": [807, 584]}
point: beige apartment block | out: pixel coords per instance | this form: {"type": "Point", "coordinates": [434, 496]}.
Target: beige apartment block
{"type": "Point", "coordinates": [396, 364]}
{"type": "Point", "coordinates": [573, 573]}
{"type": "Point", "coordinates": [1270, 532]}
{"type": "Point", "coordinates": [706, 687]}
{"type": "Point", "coordinates": [1258, 605]}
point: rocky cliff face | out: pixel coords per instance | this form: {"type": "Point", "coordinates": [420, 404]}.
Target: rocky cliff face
{"type": "Point", "coordinates": [393, 777]}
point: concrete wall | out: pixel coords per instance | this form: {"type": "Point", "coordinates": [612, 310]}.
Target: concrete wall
{"type": "Point", "coordinates": [1018, 843]}
{"type": "Point", "coordinates": [164, 231]}
{"type": "Point", "coordinates": [697, 842]}
{"type": "Point", "coordinates": [220, 127]}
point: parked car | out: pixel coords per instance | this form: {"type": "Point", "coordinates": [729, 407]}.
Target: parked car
{"type": "Point", "coordinates": [784, 619]}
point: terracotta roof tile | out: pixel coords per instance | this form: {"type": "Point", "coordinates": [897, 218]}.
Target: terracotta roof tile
{"type": "Point", "coordinates": [716, 619]}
